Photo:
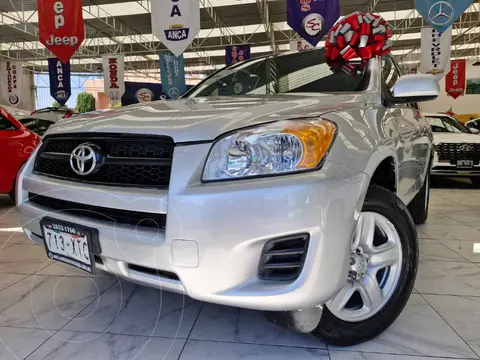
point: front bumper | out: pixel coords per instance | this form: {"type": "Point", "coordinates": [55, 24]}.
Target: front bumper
{"type": "Point", "coordinates": [215, 232]}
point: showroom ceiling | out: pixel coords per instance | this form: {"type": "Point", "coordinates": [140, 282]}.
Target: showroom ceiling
{"type": "Point", "coordinates": [121, 26]}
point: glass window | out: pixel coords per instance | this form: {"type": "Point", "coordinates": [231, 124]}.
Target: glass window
{"type": "Point", "coordinates": [5, 124]}
{"type": "Point", "coordinates": [446, 124]}
{"type": "Point", "coordinates": [473, 86]}
{"type": "Point", "coordinates": [390, 73]}
{"type": "Point", "coordinates": [288, 73]}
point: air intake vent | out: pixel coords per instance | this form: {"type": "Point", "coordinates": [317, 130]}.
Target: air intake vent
{"type": "Point", "coordinates": [283, 258]}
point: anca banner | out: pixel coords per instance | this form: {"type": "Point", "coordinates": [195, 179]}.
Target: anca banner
{"type": "Point", "coordinates": [455, 81]}
{"type": "Point", "coordinates": [60, 87]}
{"type": "Point", "coordinates": [11, 77]}
{"type": "Point", "coordinates": [176, 23]}
{"type": "Point", "coordinates": [172, 71]}
{"type": "Point", "coordinates": [441, 14]}
{"type": "Point", "coordinates": [61, 28]}
{"type": "Point", "coordinates": [114, 78]}
{"type": "Point", "coordinates": [435, 52]}
{"type": "Point", "coordinates": [237, 53]}
{"type": "Point", "coordinates": [312, 19]}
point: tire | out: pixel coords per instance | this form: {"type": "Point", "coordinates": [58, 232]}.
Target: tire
{"type": "Point", "coordinates": [338, 332]}
{"type": "Point", "coordinates": [12, 195]}
{"type": "Point", "coordinates": [419, 206]}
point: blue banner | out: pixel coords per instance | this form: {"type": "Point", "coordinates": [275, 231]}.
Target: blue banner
{"type": "Point", "coordinates": [60, 87]}
{"type": "Point", "coordinates": [441, 14]}
{"type": "Point", "coordinates": [312, 19]}
{"type": "Point", "coordinates": [172, 72]}
{"type": "Point", "coordinates": [237, 53]}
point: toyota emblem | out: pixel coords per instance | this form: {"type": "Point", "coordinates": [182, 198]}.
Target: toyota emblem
{"type": "Point", "coordinates": [85, 159]}
{"type": "Point", "coordinates": [465, 147]}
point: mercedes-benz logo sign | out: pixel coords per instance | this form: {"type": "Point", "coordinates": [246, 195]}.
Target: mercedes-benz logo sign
{"type": "Point", "coordinates": [465, 147]}
{"type": "Point", "coordinates": [441, 13]}
{"type": "Point", "coordinates": [174, 93]}
{"type": "Point", "coordinates": [85, 159]}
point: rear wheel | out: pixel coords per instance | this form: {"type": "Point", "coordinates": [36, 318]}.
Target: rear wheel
{"type": "Point", "coordinates": [383, 268]}
{"type": "Point", "coordinates": [419, 206]}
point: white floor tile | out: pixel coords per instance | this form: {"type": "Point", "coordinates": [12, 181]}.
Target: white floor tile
{"type": "Point", "coordinates": [454, 232]}
{"type": "Point", "coordinates": [221, 323]}
{"type": "Point", "coordinates": [468, 249]}
{"type": "Point", "coordinates": [434, 251]}
{"type": "Point", "coordinates": [347, 355]}
{"type": "Point", "coordinates": [66, 345]}
{"type": "Point", "coordinates": [448, 278]}
{"type": "Point", "coordinates": [20, 259]}
{"type": "Point", "coordinates": [17, 344]}
{"type": "Point", "coordinates": [206, 350]}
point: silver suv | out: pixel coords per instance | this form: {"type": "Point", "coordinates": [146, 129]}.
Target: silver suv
{"type": "Point", "coordinates": [278, 184]}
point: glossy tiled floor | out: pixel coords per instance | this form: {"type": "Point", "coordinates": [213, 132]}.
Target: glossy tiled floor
{"type": "Point", "coordinates": [49, 311]}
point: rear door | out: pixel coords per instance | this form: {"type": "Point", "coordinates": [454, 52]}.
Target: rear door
{"type": "Point", "coordinates": [413, 145]}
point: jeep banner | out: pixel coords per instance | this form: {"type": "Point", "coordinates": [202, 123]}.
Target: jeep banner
{"type": "Point", "coordinates": [11, 79]}
{"type": "Point", "coordinates": [176, 23]}
{"type": "Point", "coordinates": [236, 53]}
{"type": "Point", "coordinates": [435, 52]}
{"type": "Point", "coordinates": [455, 81]}
{"type": "Point", "coordinates": [172, 71]}
{"type": "Point", "coordinates": [441, 14]}
{"type": "Point", "coordinates": [114, 78]}
{"type": "Point", "coordinates": [60, 87]}
{"type": "Point", "coordinates": [61, 28]}
{"type": "Point", "coordinates": [312, 19]}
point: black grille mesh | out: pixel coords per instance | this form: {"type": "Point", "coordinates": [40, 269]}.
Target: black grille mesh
{"type": "Point", "coordinates": [453, 152]}
{"type": "Point", "coordinates": [133, 153]}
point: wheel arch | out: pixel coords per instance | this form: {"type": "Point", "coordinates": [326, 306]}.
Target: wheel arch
{"type": "Point", "coordinates": [383, 170]}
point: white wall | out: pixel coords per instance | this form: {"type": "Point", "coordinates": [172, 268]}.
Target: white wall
{"type": "Point", "coordinates": [28, 95]}
{"type": "Point", "coordinates": [464, 104]}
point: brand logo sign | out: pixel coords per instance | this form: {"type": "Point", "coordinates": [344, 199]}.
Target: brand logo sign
{"type": "Point", "coordinates": [144, 95]}
{"type": "Point", "coordinates": [312, 19]}
{"type": "Point", "coordinates": [300, 45]}
{"type": "Point", "coordinates": [11, 77]}
{"type": "Point", "coordinates": [441, 14]}
{"type": "Point", "coordinates": [236, 53]}
{"type": "Point", "coordinates": [436, 50]}
{"type": "Point", "coordinates": [114, 78]}
{"type": "Point", "coordinates": [61, 28]}
{"type": "Point", "coordinates": [172, 71]}
{"type": "Point", "coordinates": [465, 147]}
{"type": "Point", "coordinates": [176, 23]}
{"type": "Point", "coordinates": [60, 86]}
{"type": "Point", "coordinates": [455, 81]}
{"type": "Point", "coordinates": [86, 159]}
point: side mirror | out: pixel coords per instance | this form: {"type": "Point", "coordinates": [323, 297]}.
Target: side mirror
{"type": "Point", "coordinates": [415, 88]}
{"type": "Point", "coordinates": [474, 131]}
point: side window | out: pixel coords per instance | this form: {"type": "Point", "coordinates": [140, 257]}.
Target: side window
{"type": "Point", "coordinates": [390, 73]}
{"type": "Point", "coordinates": [5, 124]}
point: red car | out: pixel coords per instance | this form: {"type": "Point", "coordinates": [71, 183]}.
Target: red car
{"type": "Point", "coordinates": [16, 145]}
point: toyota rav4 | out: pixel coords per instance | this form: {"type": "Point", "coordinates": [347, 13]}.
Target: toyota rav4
{"type": "Point", "coordinates": [280, 184]}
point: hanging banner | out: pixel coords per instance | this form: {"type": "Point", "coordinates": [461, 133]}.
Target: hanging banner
{"type": "Point", "coordinates": [435, 52]}
{"type": "Point", "coordinates": [172, 72]}
{"type": "Point", "coordinates": [176, 23]}
{"type": "Point", "coordinates": [312, 19]}
{"type": "Point", "coordinates": [441, 14]}
{"type": "Point", "coordinates": [11, 79]}
{"type": "Point", "coordinates": [237, 53]}
{"type": "Point", "coordinates": [114, 78]}
{"type": "Point", "coordinates": [61, 28]}
{"type": "Point", "coordinates": [300, 45]}
{"type": "Point", "coordinates": [60, 86]}
{"type": "Point", "coordinates": [455, 81]}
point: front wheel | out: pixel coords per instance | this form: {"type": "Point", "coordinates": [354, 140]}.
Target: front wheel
{"type": "Point", "coordinates": [383, 267]}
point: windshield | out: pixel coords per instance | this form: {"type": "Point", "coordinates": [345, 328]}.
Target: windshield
{"type": "Point", "coordinates": [446, 124]}
{"type": "Point", "coordinates": [303, 72]}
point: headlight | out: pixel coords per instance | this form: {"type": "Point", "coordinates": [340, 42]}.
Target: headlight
{"type": "Point", "coordinates": [276, 148]}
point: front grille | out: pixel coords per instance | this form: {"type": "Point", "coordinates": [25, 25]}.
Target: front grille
{"type": "Point", "coordinates": [134, 218]}
{"type": "Point", "coordinates": [282, 259]}
{"type": "Point", "coordinates": [453, 152]}
{"type": "Point", "coordinates": [128, 160]}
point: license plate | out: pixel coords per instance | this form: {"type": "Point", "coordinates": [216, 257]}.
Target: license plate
{"type": "Point", "coordinates": [71, 244]}
{"type": "Point", "coordinates": [464, 164]}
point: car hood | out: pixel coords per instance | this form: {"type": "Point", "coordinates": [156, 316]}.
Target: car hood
{"type": "Point", "coordinates": [204, 119]}
{"type": "Point", "coordinates": [456, 138]}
